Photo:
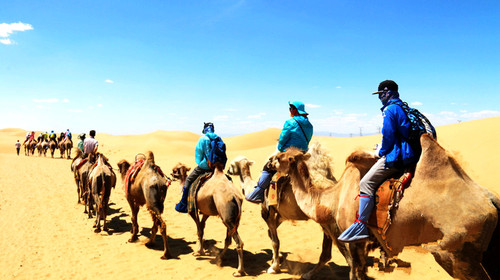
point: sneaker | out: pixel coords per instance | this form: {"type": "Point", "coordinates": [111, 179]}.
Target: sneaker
{"type": "Point", "coordinates": [256, 196]}
{"type": "Point", "coordinates": [181, 207]}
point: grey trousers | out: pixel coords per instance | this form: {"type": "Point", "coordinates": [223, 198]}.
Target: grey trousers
{"type": "Point", "coordinates": [375, 177]}
{"type": "Point", "coordinates": [197, 171]}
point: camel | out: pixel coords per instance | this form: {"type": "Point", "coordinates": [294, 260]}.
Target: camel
{"type": "Point", "coordinates": [217, 197]}
{"type": "Point", "coordinates": [68, 145]}
{"type": "Point", "coordinates": [39, 148]}
{"type": "Point", "coordinates": [52, 147]}
{"type": "Point", "coordinates": [76, 161]}
{"type": "Point", "coordinates": [30, 147]}
{"type": "Point", "coordinates": [436, 208]}
{"type": "Point", "coordinates": [101, 180]}
{"type": "Point", "coordinates": [150, 188]}
{"type": "Point", "coordinates": [62, 148]}
{"type": "Point", "coordinates": [45, 147]}
{"type": "Point", "coordinates": [287, 208]}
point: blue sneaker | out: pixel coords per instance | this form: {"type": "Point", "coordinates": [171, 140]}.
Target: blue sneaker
{"type": "Point", "coordinates": [181, 207]}
{"type": "Point", "coordinates": [256, 196]}
{"type": "Point", "coordinates": [358, 230]}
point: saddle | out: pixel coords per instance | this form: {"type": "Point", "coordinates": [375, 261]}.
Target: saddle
{"type": "Point", "coordinates": [193, 190]}
{"type": "Point", "coordinates": [274, 193]}
{"type": "Point", "coordinates": [387, 199]}
{"type": "Point", "coordinates": [131, 175]}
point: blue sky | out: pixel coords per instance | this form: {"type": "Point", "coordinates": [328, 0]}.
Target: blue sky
{"type": "Point", "coordinates": [131, 67]}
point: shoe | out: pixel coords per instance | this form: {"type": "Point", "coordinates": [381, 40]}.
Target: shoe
{"type": "Point", "coordinates": [181, 207]}
{"type": "Point", "coordinates": [358, 231]}
{"type": "Point", "coordinates": [256, 196]}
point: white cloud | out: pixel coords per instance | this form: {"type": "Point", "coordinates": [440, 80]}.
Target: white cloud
{"type": "Point", "coordinates": [6, 29]}
{"type": "Point", "coordinates": [6, 42]}
{"type": "Point", "coordinates": [312, 106]}
{"type": "Point", "coordinates": [338, 87]}
{"type": "Point", "coordinates": [108, 81]}
{"type": "Point", "coordinates": [65, 100]}
{"type": "Point", "coordinates": [47, 100]}
{"type": "Point", "coordinates": [258, 116]}
{"type": "Point", "coordinates": [99, 105]}
{"type": "Point", "coordinates": [481, 114]}
{"type": "Point", "coordinates": [75, 110]}
{"type": "Point", "coordinates": [417, 103]}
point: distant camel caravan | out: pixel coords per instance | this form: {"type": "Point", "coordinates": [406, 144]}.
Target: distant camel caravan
{"type": "Point", "coordinates": [146, 185]}
{"type": "Point", "coordinates": [101, 180]}
{"type": "Point", "coordinates": [217, 197]}
{"type": "Point", "coordinates": [442, 204]}
{"type": "Point", "coordinates": [286, 207]}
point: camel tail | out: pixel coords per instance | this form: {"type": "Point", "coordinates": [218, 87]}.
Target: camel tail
{"type": "Point", "coordinates": [103, 191]}
{"type": "Point", "coordinates": [492, 254]}
{"type": "Point", "coordinates": [150, 159]}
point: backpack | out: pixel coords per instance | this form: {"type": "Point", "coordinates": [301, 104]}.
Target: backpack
{"type": "Point", "coordinates": [217, 152]}
{"type": "Point", "coordinates": [419, 124]}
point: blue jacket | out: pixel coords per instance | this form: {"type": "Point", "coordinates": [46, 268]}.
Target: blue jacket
{"type": "Point", "coordinates": [395, 129]}
{"type": "Point", "coordinates": [202, 150]}
{"type": "Point", "coordinates": [292, 135]}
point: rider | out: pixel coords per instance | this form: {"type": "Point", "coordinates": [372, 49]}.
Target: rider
{"type": "Point", "coordinates": [90, 144]}
{"type": "Point", "coordinates": [29, 136]}
{"type": "Point", "coordinates": [67, 134]}
{"type": "Point", "coordinates": [202, 152]}
{"type": "Point", "coordinates": [53, 136]}
{"type": "Point", "coordinates": [395, 155]}
{"type": "Point", "coordinates": [296, 132]}
{"type": "Point", "coordinates": [80, 143]}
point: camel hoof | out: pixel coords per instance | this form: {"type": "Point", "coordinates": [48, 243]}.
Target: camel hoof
{"type": "Point", "coordinates": [197, 254]}
{"type": "Point", "coordinates": [166, 257]}
{"type": "Point", "coordinates": [149, 244]}
{"type": "Point", "coordinates": [97, 230]}
{"type": "Point", "coordinates": [239, 273]}
{"type": "Point", "coordinates": [133, 239]}
{"type": "Point", "coordinates": [271, 270]}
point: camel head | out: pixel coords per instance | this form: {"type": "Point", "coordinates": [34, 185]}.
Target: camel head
{"type": "Point", "coordinates": [239, 166]}
{"type": "Point", "coordinates": [285, 161]}
{"type": "Point", "coordinates": [123, 166]}
{"type": "Point", "coordinates": [179, 172]}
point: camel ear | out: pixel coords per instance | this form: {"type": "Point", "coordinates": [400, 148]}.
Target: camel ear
{"type": "Point", "coordinates": [188, 168]}
{"type": "Point", "coordinates": [307, 156]}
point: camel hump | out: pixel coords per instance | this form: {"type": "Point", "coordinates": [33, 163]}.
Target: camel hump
{"type": "Point", "coordinates": [150, 158]}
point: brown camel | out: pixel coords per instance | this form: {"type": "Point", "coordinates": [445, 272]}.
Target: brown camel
{"type": "Point", "coordinates": [149, 187]}
{"type": "Point", "coordinates": [217, 197]}
{"type": "Point", "coordinates": [101, 180]}
{"type": "Point", "coordinates": [62, 148]}
{"type": "Point", "coordinates": [82, 177]}
{"type": "Point", "coordinates": [52, 147]}
{"type": "Point", "coordinates": [39, 148]}
{"type": "Point", "coordinates": [30, 147]}
{"type": "Point", "coordinates": [76, 161]}
{"type": "Point", "coordinates": [436, 207]}
{"type": "Point", "coordinates": [45, 147]}
{"type": "Point", "coordinates": [287, 208]}
{"type": "Point", "coordinates": [67, 146]}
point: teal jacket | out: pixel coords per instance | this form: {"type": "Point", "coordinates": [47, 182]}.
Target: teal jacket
{"type": "Point", "coordinates": [202, 150]}
{"type": "Point", "coordinates": [295, 135]}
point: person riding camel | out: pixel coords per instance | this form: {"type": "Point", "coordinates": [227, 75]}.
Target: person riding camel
{"type": "Point", "coordinates": [202, 152]}
{"type": "Point", "coordinates": [67, 134]}
{"type": "Point", "coordinates": [395, 155]}
{"type": "Point", "coordinates": [297, 132]}
{"type": "Point", "coordinates": [90, 144]}
{"type": "Point", "coordinates": [53, 136]}
{"type": "Point", "coordinates": [29, 136]}
{"type": "Point", "coordinates": [80, 143]}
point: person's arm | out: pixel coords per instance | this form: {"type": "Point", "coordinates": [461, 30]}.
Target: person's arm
{"type": "Point", "coordinates": [285, 135]}
{"type": "Point", "coordinates": [389, 129]}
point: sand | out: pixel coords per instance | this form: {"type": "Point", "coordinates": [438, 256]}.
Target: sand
{"type": "Point", "coordinates": [45, 234]}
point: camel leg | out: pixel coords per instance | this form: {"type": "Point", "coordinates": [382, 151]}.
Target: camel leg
{"type": "Point", "coordinates": [239, 250]}
{"type": "Point", "coordinates": [326, 255]}
{"type": "Point", "coordinates": [154, 229]}
{"type": "Point", "coordinates": [273, 223]}
{"type": "Point", "coordinates": [200, 225]}
{"type": "Point", "coordinates": [98, 219]}
{"type": "Point", "coordinates": [135, 225]}
{"type": "Point", "coordinates": [163, 230]}
{"type": "Point", "coordinates": [104, 214]}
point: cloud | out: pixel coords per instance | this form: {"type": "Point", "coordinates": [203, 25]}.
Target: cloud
{"type": "Point", "coordinates": [108, 81]}
{"type": "Point", "coordinates": [99, 105]}
{"type": "Point", "coordinates": [338, 87]}
{"type": "Point", "coordinates": [47, 100]}
{"type": "Point", "coordinates": [6, 42]}
{"type": "Point", "coordinates": [481, 114]}
{"type": "Point", "coordinates": [258, 116]}
{"type": "Point", "coordinates": [417, 103]}
{"type": "Point", "coordinates": [221, 118]}
{"type": "Point", "coordinates": [6, 29]}
{"type": "Point", "coordinates": [65, 100]}
{"type": "Point", "coordinates": [312, 106]}
{"type": "Point", "coordinates": [75, 110]}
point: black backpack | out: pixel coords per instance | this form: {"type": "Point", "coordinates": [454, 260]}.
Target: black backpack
{"type": "Point", "coordinates": [419, 124]}
{"type": "Point", "coordinates": [217, 152]}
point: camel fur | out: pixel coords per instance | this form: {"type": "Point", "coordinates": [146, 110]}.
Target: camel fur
{"type": "Point", "coordinates": [443, 208]}
{"type": "Point", "coordinates": [76, 161]}
{"type": "Point", "coordinates": [101, 180]}
{"type": "Point", "coordinates": [149, 188]}
{"type": "Point", "coordinates": [218, 197]}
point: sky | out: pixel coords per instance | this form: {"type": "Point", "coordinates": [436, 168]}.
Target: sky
{"type": "Point", "coordinates": [134, 67]}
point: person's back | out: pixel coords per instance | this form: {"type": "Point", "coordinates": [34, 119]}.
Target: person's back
{"type": "Point", "coordinates": [90, 144]}
{"type": "Point", "coordinates": [80, 143]}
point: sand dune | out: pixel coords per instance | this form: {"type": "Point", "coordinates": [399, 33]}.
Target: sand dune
{"type": "Point", "coordinates": [45, 234]}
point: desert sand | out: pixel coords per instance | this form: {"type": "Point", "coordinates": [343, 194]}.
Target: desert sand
{"type": "Point", "coordinates": [45, 235]}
